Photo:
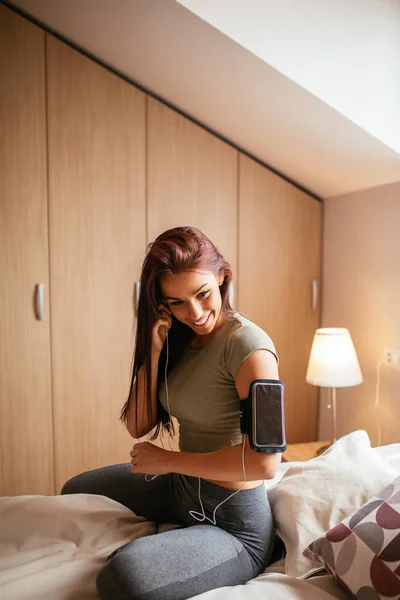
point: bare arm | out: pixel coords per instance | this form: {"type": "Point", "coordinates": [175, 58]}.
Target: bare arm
{"type": "Point", "coordinates": [138, 421]}
{"type": "Point", "coordinates": [225, 464]}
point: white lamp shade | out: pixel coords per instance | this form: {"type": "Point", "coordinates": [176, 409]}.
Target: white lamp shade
{"type": "Point", "coordinates": [333, 359]}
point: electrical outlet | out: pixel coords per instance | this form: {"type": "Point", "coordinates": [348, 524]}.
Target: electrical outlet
{"type": "Point", "coordinates": [391, 357]}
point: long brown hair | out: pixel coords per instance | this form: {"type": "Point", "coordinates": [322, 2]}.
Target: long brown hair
{"type": "Point", "coordinates": [174, 251]}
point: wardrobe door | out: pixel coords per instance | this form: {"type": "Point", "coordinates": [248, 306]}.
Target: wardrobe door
{"type": "Point", "coordinates": [192, 179]}
{"type": "Point", "coordinates": [26, 442]}
{"type": "Point", "coordinates": [280, 232]}
{"type": "Point", "coordinates": [97, 241]}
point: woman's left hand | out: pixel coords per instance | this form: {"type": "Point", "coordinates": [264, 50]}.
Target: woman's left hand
{"type": "Point", "coordinates": [150, 459]}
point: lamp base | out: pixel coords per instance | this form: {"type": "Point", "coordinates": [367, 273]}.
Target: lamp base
{"type": "Point", "coordinates": [333, 406]}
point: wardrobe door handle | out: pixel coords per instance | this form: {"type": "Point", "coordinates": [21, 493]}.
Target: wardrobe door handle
{"type": "Point", "coordinates": [314, 294]}
{"type": "Point", "coordinates": [137, 294]}
{"type": "Point", "coordinates": [39, 301]}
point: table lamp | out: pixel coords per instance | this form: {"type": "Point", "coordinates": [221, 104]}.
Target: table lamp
{"type": "Point", "coordinates": [333, 363]}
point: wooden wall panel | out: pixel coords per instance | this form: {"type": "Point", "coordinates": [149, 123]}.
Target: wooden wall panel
{"type": "Point", "coordinates": [97, 220]}
{"type": "Point", "coordinates": [192, 179]}
{"type": "Point", "coordinates": [280, 229]}
{"type": "Point", "coordinates": [26, 441]}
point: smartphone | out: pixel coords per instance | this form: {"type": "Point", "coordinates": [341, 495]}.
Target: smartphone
{"type": "Point", "coordinates": [268, 419]}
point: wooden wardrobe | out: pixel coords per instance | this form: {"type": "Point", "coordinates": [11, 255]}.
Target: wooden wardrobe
{"type": "Point", "coordinates": [91, 170]}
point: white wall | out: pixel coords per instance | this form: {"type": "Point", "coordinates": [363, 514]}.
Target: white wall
{"type": "Point", "coordinates": [345, 52]}
{"type": "Point", "coordinates": [361, 291]}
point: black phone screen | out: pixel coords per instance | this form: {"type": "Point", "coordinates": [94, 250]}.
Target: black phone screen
{"type": "Point", "coordinates": [268, 425]}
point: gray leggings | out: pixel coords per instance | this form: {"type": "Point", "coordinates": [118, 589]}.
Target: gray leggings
{"type": "Point", "coordinates": [194, 558]}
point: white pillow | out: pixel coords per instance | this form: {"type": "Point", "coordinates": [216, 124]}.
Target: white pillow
{"type": "Point", "coordinates": [391, 454]}
{"type": "Point", "coordinates": [314, 496]}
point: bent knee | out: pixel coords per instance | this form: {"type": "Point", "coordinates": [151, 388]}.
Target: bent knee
{"type": "Point", "coordinates": [75, 485]}
{"type": "Point", "coordinates": [119, 579]}
{"type": "Point", "coordinates": [68, 487]}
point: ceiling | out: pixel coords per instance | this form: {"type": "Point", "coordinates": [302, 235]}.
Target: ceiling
{"type": "Point", "coordinates": [181, 58]}
{"type": "Point", "coordinates": [345, 52]}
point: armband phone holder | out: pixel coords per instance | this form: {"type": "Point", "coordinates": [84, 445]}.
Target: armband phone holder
{"type": "Point", "coordinates": [262, 416]}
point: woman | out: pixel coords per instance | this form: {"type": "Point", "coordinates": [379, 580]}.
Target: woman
{"type": "Point", "coordinates": [195, 359]}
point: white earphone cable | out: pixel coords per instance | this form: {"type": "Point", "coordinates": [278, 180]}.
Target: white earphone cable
{"type": "Point", "coordinates": [199, 516]}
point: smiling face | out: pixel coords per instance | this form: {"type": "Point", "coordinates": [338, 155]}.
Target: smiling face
{"type": "Point", "coordinates": [194, 298]}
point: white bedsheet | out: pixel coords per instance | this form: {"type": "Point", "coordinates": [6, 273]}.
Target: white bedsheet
{"type": "Point", "coordinates": [52, 547]}
{"type": "Point", "coordinates": [273, 584]}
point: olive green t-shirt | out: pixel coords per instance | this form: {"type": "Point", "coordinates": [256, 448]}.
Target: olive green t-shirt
{"type": "Point", "coordinates": [201, 388]}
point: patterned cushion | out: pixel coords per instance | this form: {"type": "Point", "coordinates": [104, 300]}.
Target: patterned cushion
{"type": "Point", "coordinates": [363, 551]}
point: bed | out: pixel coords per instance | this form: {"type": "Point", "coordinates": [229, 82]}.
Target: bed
{"type": "Point", "coordinates": [52, 547]}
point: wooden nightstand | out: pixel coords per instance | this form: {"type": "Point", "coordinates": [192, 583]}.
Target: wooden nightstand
{"type": "Point", "coordinates": [302, 452]}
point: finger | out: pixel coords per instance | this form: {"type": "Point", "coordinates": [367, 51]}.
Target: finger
{"type": "Point", "coordinates": [163, 322]}
{"type": "Point", "coordinates": [163, 329]}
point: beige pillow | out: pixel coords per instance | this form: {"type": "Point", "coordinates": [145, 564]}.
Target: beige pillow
{"type": "Point", "coordinates": [314, 496]}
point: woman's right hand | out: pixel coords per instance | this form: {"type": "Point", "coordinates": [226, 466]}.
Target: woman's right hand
{"type": "Point", "coordinates": [160, 329]}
